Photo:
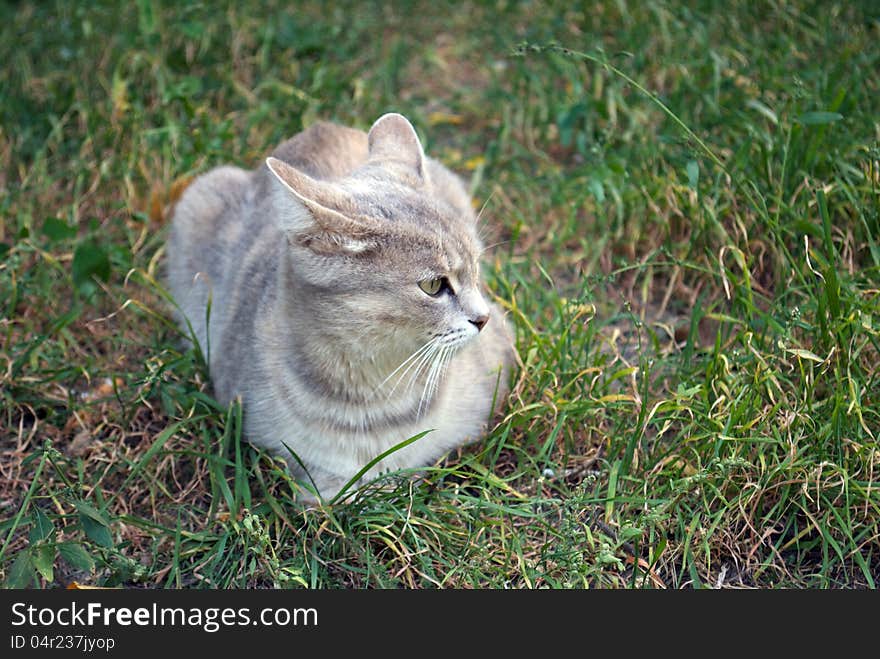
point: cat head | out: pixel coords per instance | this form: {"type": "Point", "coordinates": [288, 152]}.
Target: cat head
{"type": "Point", "coordinates": [389, 250]}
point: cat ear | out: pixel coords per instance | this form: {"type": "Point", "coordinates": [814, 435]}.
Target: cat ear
{"type": "Point", "coordinates": [323, 228]}
{"type": "Point", "coordinates": [392, 137]}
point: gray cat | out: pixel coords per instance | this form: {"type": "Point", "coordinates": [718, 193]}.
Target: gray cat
{"type": "Point", "coordinates": [345, 301]}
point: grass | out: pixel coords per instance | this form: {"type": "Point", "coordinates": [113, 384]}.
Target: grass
{"type": "Point", "coordinates": [685, 201]}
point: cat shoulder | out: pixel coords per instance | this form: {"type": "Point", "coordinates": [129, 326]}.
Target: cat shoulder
{"type": "Point", "coordinates": [211, 193]}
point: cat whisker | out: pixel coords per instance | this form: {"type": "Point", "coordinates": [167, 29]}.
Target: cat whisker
{"type": "Point", "coordinates": [409, 362]}
{"type": "Point", "coordinates": [435, 375]}
{"type": "Point", "coordinates": [431, 384]}
{"type": "Point", "coordinates": [446, 357]}
{"type": "Point", "coordinates": [483, 207]}
{"type": "Point", "coordinates": [427, 384]}
{"type": "Point", "coordinates": [423, 364]}
{"type": "Point", "coordinates": [406, 361]}
{"type": "Point", "coordinates": [493, 246]}
{"type": "Point", "coordinates": [446, 363]}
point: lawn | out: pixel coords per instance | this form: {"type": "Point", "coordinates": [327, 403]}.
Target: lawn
{"type": "Point", "coordinates": [683, 205]}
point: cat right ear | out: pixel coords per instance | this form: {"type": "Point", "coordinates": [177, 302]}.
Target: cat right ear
{"type": "Point", "coordinates": [322, 227]}
{"type": "Point", "coordinates": [392, 137]}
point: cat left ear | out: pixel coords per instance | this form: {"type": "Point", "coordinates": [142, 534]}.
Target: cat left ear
{"type": "Point", "coordinates": [392, 137]}
{"type": "Point", "coordinates": [320, 196]}
{"type": "Point", "coordinates": [322, 228]}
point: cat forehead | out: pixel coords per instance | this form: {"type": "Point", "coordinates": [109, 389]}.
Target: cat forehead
{"type": "Point", "coordinates": [433, 253]}
{"type": "Point", "coordinates": [401, 205]}
{"type": "Point", "coordinates": [420, 220]}
{"type": "Point", "coordinates": [372, 188]}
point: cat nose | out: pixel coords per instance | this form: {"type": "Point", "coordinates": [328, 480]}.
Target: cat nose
{"type": "Point", "coordinates": [480, 321]}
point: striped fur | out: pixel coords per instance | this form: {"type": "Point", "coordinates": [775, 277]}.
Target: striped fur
{"type": "Point", "coordinates": [312, 264]}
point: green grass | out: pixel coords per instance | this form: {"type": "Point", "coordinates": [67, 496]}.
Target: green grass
{"type": "Point", "coordinates": [684, 202]}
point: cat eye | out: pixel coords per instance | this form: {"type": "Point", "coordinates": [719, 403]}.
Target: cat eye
{"type": "Point", "coordinates": [434, 287]}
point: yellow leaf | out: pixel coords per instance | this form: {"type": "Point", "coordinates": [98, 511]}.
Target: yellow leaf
{"type": "Point", "coordinates": [119, 96]}
{"type": "Point", "coordinates": [74, 585]}
{"type": "Point", "coordinates": [474, 162]}
{"type": "Point", "coordinates": [615, 398]}
{"type": "Point", "coordinates": [436, 118]}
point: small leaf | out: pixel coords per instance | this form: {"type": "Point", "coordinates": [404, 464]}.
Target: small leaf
{"type": "Point", "coordinates": [76, 556]}
{"type": "Point", "coordinates": [56, 229]}
{"type": "Point", "coordinates": [146, 17]}
{"type": "Point", "coordinates": [21, 574]}
{"type": "Point", "coordinates": [819, 118]}
{"type": "Point", "coordinates": [4, 249]}
{"type": "Point", "coordinates": [629, 533]}
{"type": "Point", "coordinates": [41, 526]}
{"type": "Point", "coordinates": [693, 172]}
{"type": "Point", "coordinates": [192, 29]}
{"type": "Point", "coordinates": [566, 122]}
{"type": "Point", "coordinates": [688, 392]}
{"type": "Point", "coordinates": [595, 186]}
{"type": "Point", "coordinates": [90, 259]}
{"type": "Point", "coordinates": [805, 354]}
{"type": "Point", "coordinates": [90, 511]}
{"type": "Point", "coordinates": [96, 532]}
{"type": "Point", "coordinates": [763, 109]}
{"type": "Point", "coordinates": [809, 228]}
{"type": "Point", "coordinates": [622, 373]}
{"type": "Point", "coordinates": [44, 561]}
{"type": "Point", "coordinates": [94, 524]}
{"type": "Point", "coordinates": [612, 491]}
{"type": "Point", "coordinates": [659, 547]}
